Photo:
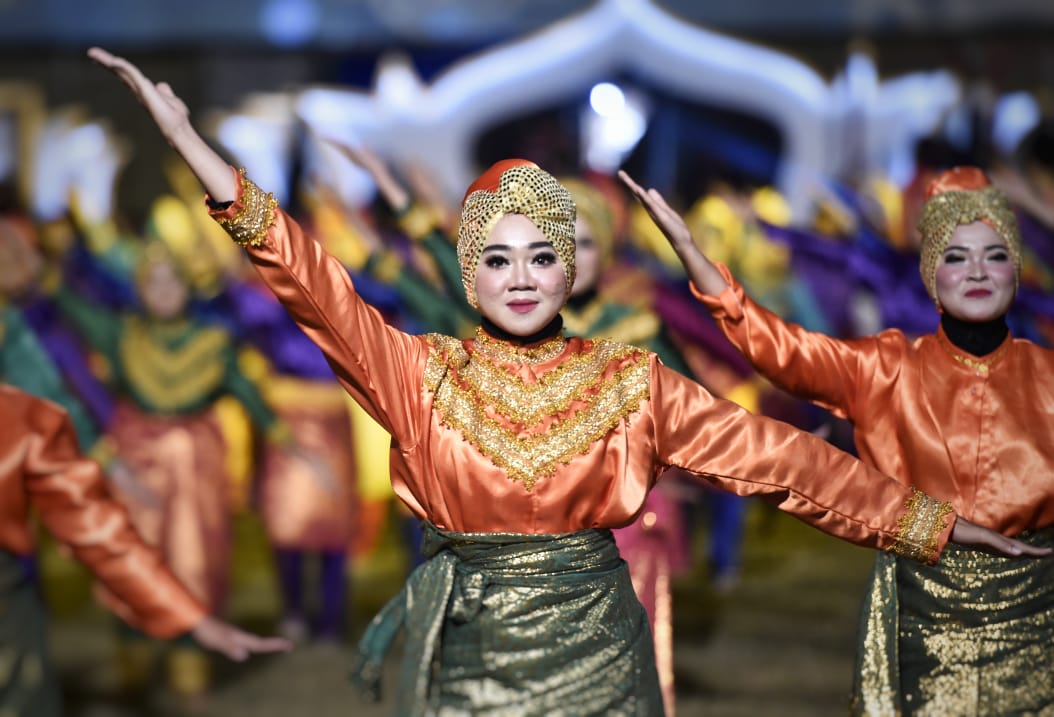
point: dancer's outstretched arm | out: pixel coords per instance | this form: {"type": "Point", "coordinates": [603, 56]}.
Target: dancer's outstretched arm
{"type": "Point", "coordinates": [173, 119]}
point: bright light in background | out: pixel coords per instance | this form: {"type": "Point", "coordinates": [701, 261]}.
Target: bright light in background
{"type": "Point", "coordinates": [289, 23]}
{"type": "Point", "coordinates": [612, 126]}
{"type": "Point", "coordinates": [1016, 114]}
{"type": "Point", "coordinates": [606, 99]}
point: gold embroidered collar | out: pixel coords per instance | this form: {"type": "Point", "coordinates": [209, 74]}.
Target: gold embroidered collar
{"type": "Point", "coordinates": [979, 365]}
{"type": "Point", "coordinates": [498, 350]}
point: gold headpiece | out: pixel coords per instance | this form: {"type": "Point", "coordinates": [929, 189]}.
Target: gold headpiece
{"type": "Point", "coordinates": [515, 186]}
{"type": "Point", "coordinates": [963, 195]}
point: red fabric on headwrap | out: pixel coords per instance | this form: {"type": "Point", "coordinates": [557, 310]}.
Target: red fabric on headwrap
{"type": "Point", "coordinates": [958, 179]}
{"type": "Point", "coordinates": [490, 179]}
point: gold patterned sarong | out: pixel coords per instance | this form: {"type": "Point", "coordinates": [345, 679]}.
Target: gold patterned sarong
{"type": "Point", "coordinates": [501, 623]}
{"type": "Point", "coordinates": [973, 635]}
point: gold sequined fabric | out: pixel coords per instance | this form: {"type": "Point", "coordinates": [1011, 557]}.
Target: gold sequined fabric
{"type": "Point", "coordinates": [526, 190]}
{"type": "Point", "coordinates": [943, 212]}
{"type": "Point", "coordinates": [529, 428]}
{"type": "Point", "coordinates": [254, 216]}
{"type": "Point", "coordinates": [28, 683]}
{"type": "Point", "coordinates": [973, 635]}
{"type": "Point", "coordinates": [513, 624]}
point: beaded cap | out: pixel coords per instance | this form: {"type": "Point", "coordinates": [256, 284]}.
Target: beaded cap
{"type": "Point", "coordinates": [963, 195]}
{"type": "Point", "coordinates": [515, 186]}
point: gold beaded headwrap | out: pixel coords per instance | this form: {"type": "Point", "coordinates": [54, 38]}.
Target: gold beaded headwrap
{"type": "Point", "coordinates": [595, 209]}
{"type": "Point", "coordinates": [963, 195]}
{"type": "Point", "coordinates": [515, 186]}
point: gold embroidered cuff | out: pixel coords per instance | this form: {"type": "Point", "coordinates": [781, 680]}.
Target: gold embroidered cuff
{"type": "Point", "coordinates": [917, 530]}
{"type": "Point", "coordinates": [255, 214]}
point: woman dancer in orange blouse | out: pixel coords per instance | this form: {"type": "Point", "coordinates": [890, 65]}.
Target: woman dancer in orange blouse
{"type": "Point", "coordinates": [520, 449]}
{"type": "Point", "coordinates": [965, 414]}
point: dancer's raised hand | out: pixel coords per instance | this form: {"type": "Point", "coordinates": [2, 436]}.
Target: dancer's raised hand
{"type": "Point", "coordinates": [172, 117]}
{"type": "Point", "coordinates": [703, 274]}
{"type": "Point", "coordinates": [168, 110]}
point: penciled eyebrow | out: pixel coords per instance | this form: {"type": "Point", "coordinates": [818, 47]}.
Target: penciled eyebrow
{"type": "Point", "coordinates": [990, 247]}
{"type": "Point", "coordinates": [505, 247]}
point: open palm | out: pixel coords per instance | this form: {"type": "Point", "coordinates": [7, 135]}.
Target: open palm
{"type": "Point", "coordinates": [168, 110]}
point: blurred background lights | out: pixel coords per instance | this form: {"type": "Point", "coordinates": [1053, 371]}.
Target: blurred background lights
{"type": "Point", "coordinates": [612, 127]}
{"type": "Point", "coordinates": [1016, 114]}
{"type": "Point", "coordinates": [289, 23]}
{"type": "Point", "coordinates": [607, 99]}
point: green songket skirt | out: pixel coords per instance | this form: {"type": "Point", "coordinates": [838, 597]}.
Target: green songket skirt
{"type": "Point", "coordinates": [514, 624]}
{"type": "Point", "coordinates": [28, 684]}
{"type": "Point", "coordinates": [972, 635]}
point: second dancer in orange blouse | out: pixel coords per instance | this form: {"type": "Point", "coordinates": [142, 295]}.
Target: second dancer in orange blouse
{"type": "Point", "coordinates": [966, 415]}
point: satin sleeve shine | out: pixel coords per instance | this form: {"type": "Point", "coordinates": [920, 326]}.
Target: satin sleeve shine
{"type": "Point", "coordinates": [380, 366]}
{"type": "Point", "coordinates": [810, 365]}
{"type": "Point", "coordinates": [799, 473]}
{"type": "Point", "coordinates": [69, 493]}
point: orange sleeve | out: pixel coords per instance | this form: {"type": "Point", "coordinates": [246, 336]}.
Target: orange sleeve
{"type": "Point", "coordinates": [380, 366]}
{"type": "Point", "coordinates": [69, 493]}
{"type": "Point", "coordinates": [810, 365]}
{"type": "Point", "coordinates": [794, 470]}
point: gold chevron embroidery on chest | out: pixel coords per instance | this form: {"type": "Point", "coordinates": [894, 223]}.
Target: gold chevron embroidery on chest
{"type": "Point", "coordinates": [171, 378]}
{"type": "Point", "coordinates": [529, 428]}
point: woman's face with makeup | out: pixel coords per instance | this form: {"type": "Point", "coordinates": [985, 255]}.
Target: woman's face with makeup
{"type": "Point", "coordinates": [976, 278]}
{"type": "Point", "coordinates": [520, 283]}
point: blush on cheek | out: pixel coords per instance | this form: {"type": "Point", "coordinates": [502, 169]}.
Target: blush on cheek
{"type": "Point", "coordinates": [949, 276]}
{"type": "Point", "coordinates": [1003, 272]}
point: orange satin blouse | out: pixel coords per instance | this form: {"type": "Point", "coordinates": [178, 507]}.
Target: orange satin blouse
{"type": "Point", "coordinates": [975, 432]}
{"type": "Point", "coordinates": [561, 436]}
{"type": "Point", "coordinates": [41, 469]}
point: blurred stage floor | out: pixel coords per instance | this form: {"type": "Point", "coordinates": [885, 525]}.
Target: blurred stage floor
{"type": "Point", "coordinates": [780, 642]}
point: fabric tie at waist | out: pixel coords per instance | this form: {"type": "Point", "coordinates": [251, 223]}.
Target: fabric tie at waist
{"type": "Point", "coordinates": [453, 584]}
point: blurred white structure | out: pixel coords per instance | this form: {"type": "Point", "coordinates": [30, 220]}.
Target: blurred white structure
{"type": "Point", "coordinates": [824, 126]}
